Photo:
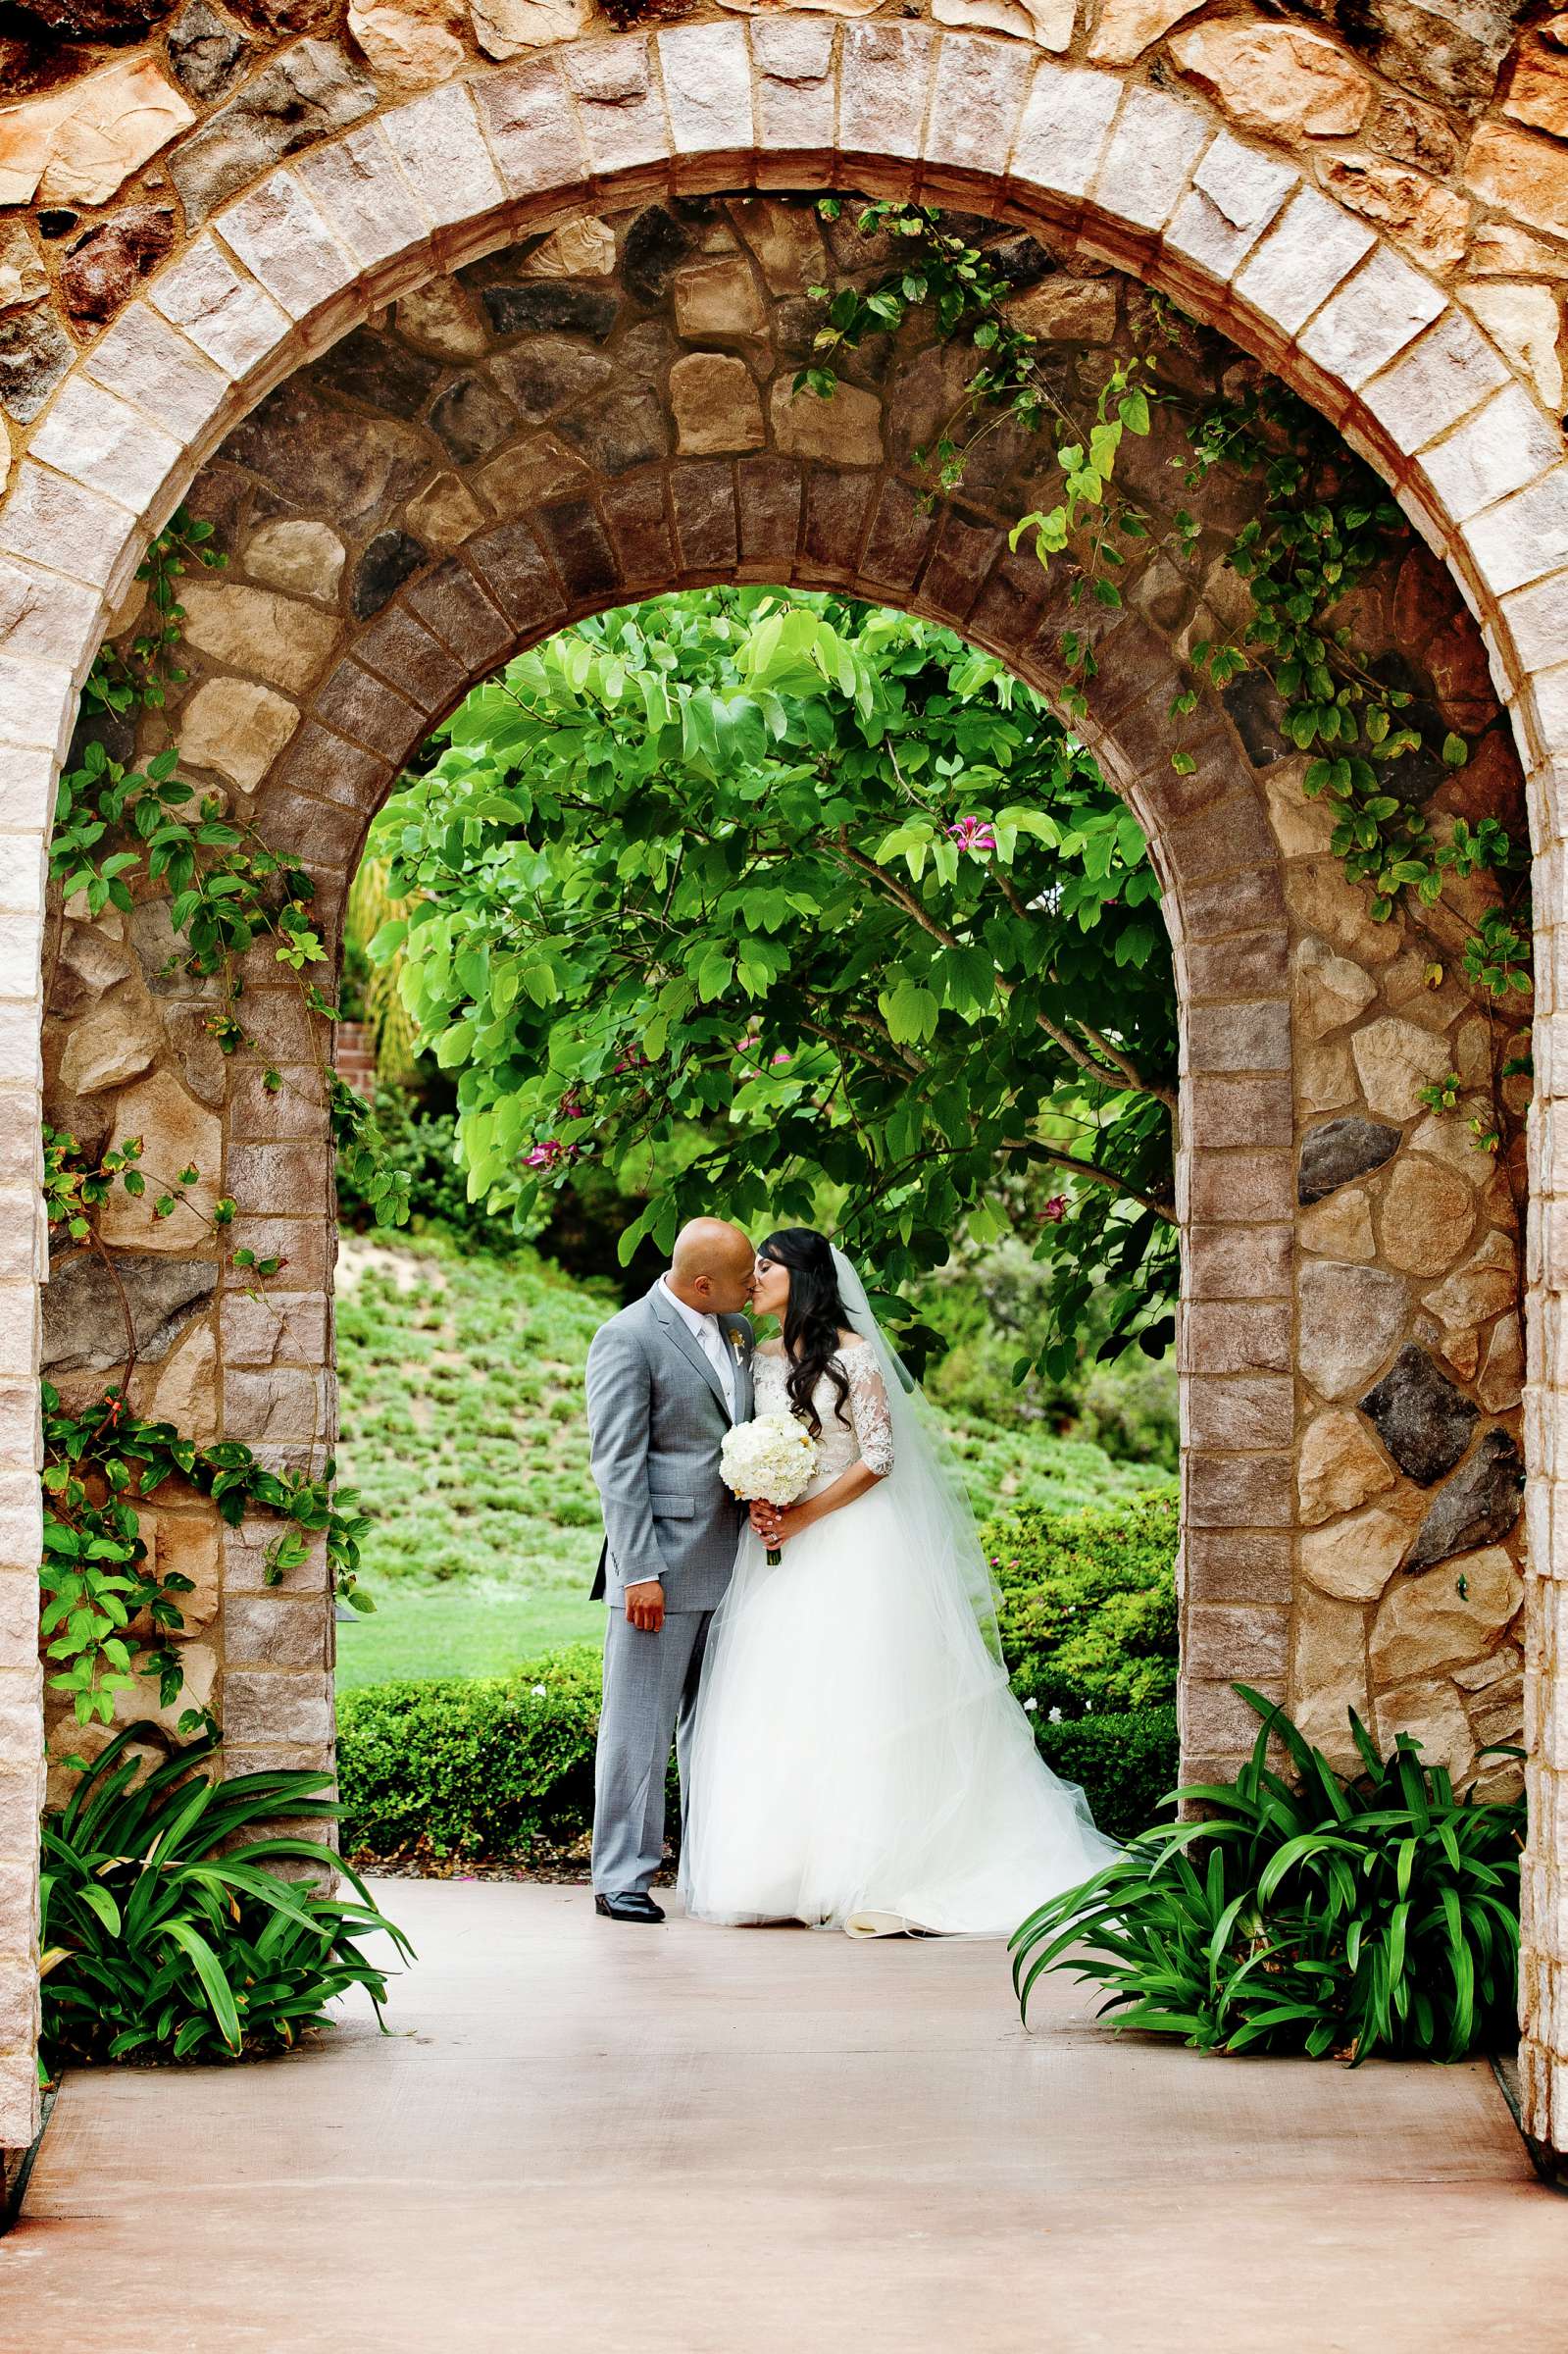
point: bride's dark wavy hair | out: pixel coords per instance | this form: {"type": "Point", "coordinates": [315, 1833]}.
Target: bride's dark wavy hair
{"type": "Point", "coordinates": [813, 1320]}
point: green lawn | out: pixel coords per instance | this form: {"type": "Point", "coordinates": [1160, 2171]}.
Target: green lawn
{"type": "Point", "coordinates": [463, 1429]}
{"type": "Point", "coordinates": [473, 1626]}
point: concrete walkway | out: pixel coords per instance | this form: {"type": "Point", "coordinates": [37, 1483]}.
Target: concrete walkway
{"type": "Point", "coordinates": [696, 2142]}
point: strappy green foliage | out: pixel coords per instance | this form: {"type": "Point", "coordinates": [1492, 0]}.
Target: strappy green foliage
{"type": "Point", "coordinates": [1315, 1915]}
{"type": "Point", "coordinates": [166, 1930]}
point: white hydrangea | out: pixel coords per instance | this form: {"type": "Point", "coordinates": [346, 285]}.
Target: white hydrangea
{"type": "Point", "coordinates": [770, 1460]}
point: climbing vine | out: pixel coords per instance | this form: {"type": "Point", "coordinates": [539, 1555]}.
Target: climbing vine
{"type": "Point", "coordinates": [965, 290]}
{"type": "Point", "coordinates": [1323, 526]}
{"type": "Point", "coordinates": [109, 1614]}
{"type": "Point", "coordinates": [1325, 522]}
{"type": "Point", "coordinates": [116, 827]}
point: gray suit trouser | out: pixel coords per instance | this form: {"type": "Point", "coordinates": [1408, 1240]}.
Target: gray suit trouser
{"type": "Point", "coordinates": [650, 1697]}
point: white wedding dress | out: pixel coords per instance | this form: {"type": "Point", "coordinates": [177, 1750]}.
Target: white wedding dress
{"type": "Point", "coordinates": [858, 1761]}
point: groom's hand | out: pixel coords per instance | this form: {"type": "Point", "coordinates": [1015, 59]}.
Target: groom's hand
{"type": "Point", "coordinates": [645, 1606]}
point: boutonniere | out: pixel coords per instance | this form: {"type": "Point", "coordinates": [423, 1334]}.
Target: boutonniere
{"type": "Point", "coordinates": [737, 1343]}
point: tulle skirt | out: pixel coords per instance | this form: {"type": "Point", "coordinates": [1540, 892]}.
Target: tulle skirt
{"type": "Point", "coordinates": [858, 1761]}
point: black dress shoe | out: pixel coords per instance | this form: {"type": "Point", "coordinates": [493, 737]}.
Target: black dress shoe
{"type": "Point", "coordinates": [633, 1906]}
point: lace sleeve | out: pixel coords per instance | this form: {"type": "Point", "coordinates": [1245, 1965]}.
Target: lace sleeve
{"type": "Point", "coordinates": [868, 1411]}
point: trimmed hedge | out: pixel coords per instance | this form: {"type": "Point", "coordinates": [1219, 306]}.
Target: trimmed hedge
{"type": "Point", "coordinates": [1127, 1763]}
{"type": "Point", "coordinates": [503, 1766]}
{"type": "Point", "coordinates": [470, 1765]}
{"type": "Point", "coordinates": [1087, 1618]}
{"type": "Point", "coordinates": [1089, 1605]}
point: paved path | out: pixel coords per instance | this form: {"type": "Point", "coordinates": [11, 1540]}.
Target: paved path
{"type": "Point", "coordinates": [698, 2141]}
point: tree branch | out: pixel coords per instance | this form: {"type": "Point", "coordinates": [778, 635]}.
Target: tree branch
{"type": "Point", "coordinates": [1097, 1171]}
{"type": "Point", "coordinates": [1120, 1064]}
{"type": "Point", "coordinates": [849, 1047]}
{"type": "Point", "coordinates": [1010, 893]}
{"type": "Point", "coordinates": [847, 854]}
{"type": "Point", "coordinates": [1094, 1170]}
{"type": "Point", "coordinates": [1082, 1166]}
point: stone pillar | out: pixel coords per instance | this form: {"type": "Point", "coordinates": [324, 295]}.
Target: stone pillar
{"type": "Point", "coordinates": [279, 1395]}
{"type": "Point", "coordinates": [1544, 1912]}
{"type": "Point", "coordinates": [23, 774]}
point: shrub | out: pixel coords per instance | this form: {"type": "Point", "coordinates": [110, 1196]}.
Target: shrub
{"type": "Point", "coordinates": [490, 1766]}
{"type": "Point", "coordinates": [1129, 1408]}
{"type": "Point", "coordinates": [503, 1766]}
{"type": "Point", "coordinates": [465, 1469]}
{"type": "Point", "coordinates": [1087, 1605]}
{"type": "Point", "coordinates": [1126, 1764]}
{"type": "Point", "coordinates": [992, 1307]}
{"type": "Point", "coordinates": [1335, 1916]}
{"type": "Point", "coordinates": [974, 1376]}
{"type": "Point", "coordinates": [166, 1935]}
{"type": "Point", "coordinates": [470, 1765]}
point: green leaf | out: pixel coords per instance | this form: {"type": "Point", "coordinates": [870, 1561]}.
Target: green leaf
{"type": "Point", "coordinates": [215, 1985]}
{"type": "Point", "coordinates": [453, 1044]}
{"type": "Point", "coordinates": [910, 1011]}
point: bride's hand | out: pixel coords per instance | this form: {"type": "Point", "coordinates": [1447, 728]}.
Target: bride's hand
{"type": "Point", "coordinates": [786, 1524]}
{"type": "Point", "coordinates": [764, 1517]}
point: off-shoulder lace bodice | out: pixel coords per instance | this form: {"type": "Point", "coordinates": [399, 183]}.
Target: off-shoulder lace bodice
{"type": "Point", "coordinates": [867, 1437]}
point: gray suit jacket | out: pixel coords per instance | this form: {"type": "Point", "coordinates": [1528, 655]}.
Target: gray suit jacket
{"type": "Point", "coordinates": [657, 1418]}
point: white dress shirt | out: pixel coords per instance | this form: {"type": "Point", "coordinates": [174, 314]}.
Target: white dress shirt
{"type": "Point", "coordinates": [710, 1339]}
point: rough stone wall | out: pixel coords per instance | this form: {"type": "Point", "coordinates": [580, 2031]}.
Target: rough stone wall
{"type": "Point", "coordinates": [1198, 150]}
{"type": "Point", "coordinates": [1445, 128]}
{"type": "Point", "coordinates": [1351, 1478]}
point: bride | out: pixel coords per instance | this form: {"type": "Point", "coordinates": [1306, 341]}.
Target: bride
{"type": "Point", "coordinates": [857, 1759]}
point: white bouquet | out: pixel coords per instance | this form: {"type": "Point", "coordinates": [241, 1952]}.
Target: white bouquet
{"type": "Point", "coordinates": [770, 1460]}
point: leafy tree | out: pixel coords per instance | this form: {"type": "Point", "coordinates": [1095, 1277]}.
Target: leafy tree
{"type": "Point", "coordinates": [824, 881]}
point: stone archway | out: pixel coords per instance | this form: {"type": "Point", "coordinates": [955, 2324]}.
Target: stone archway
{"type": "Point", "coordinates": [639, 412]}
{"type": "Point", "coordinates": [1236, 233]}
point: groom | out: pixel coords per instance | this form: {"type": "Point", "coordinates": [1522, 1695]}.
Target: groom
{"type": "Point", "coordinates": [667, 1377]}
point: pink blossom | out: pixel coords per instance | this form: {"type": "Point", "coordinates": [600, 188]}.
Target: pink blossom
{"type": "Point", "coordinates": [1055, 1208]}
{"type": "Point", "coordinates": [549, 1152]}
{"type": "Point", "coordinates": [570, 1106]}
{"type": "Point", "coordinates": [782, 1057]}
{"type": "Point", "coordinates": [973, 834]}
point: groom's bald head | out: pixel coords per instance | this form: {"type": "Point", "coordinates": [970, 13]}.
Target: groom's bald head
{"type": "Point", "coordinates": [711, 1266]}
